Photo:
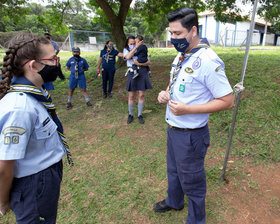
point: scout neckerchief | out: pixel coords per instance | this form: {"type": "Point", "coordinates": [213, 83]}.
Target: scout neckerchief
{"type": "Point", "coordinates": [23, 85]}
{"type": "Point", "coordinates": [76, 68]}
{"type": "Point", "coordinates": [184, 58]}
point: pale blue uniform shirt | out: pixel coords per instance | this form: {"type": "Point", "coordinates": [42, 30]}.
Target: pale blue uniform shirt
{"type": "Point", "coordinates": [55, 46]}
{"type": "Point", "coordinates": [201, 79]}
{"type": "Point", "coordinates": [28, 135]}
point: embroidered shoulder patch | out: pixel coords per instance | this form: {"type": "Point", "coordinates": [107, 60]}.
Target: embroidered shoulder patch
{"type": "Point", "coordinates": [13, 129]}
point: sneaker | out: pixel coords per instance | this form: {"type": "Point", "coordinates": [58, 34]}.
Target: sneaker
{"type": "Point", "coordinates": [129, 119]}
{"type": "Point", "coordinates": [109, 95]}
{"type": "Point", "coordinates": [105, 95]}
{"type": "Point", "coordinates": [89, 104]}
{"type": "Point", "coordinates": [141, 119]}
{"type": "Point", "coordinates": [68, 106]}
{"type": "Point", "coordinates": [135, 75]}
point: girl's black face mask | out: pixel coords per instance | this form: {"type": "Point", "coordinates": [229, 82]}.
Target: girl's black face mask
{"type": "Point", "coordinates": [49, 73]}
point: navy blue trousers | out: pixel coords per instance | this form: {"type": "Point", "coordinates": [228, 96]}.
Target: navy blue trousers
{"type": "Point", "coordinates": [186, 151]}
{"type": "Point", "coordinates": [108, 75]}
{"type": "Point", "coordinates": [34, 198]}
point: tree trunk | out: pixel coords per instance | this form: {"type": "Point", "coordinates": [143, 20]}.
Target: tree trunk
{"type": "Point", "coordinates": [116, 21]}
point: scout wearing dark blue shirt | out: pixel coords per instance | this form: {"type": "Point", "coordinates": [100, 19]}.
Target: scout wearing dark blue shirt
{"type": "Point", "coordinates": [108, 61]}
{"type": "Point", "coordinates": [77, 65]}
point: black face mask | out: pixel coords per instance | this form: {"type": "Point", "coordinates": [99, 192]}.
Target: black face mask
{"type": "Point", "coordinates": [49, 73]}
{"type": "Point", "coordinates": [76, 56]}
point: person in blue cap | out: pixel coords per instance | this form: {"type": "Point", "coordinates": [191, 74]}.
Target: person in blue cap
{"type": "Point", "coordinates": [32, 143]}
{"type": "Point", "coordinates": [198, 86]}
{"type": "Point", "coordinates": [77, 65]}
{"type": "Point", "coordinates": [108, 60]}
{"type": "Point", "coordinates": [49, 85]}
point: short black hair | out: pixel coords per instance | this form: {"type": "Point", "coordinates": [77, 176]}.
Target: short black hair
{"type": "Point", "coordinates": [187, 16]}
{"type": "Point", "coordinates": [139, 37]}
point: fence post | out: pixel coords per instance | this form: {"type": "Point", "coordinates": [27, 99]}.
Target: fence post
{"type": "Point", "coordinates": [226, 38]}
{"type": "Point", "coordinates": [71, 40]}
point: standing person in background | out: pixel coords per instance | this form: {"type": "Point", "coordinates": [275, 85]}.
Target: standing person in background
{"type": "Point", "coordinates": [140, 84]}
{"type": "Point", "coordinates": [198, 86]}
{"type": "Point", "coordinates": [32, 143]}
{"type": "Point", "coordinates": [77, 65]}
{"type": "Point", "coordinates": [108, 60]}
{"type": "Point", "coordinates": [49, 85]}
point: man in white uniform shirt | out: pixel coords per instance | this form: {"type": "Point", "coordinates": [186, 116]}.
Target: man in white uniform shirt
{"type": "Point", "coordinates": [198, 86]}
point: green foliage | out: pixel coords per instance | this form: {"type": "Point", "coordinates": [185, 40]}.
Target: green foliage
{"type": "Point", "coordinates": [270, 10]}
{"type": "Point", "coordinates": [11, 12]}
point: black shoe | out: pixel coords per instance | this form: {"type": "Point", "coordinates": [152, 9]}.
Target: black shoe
{"type": "Point", "coordinates": [89, 104]}
{"type": "Point", "coordinates": [109, 95]}
{"type": "Point", "coordinates": [141, 119]}
{"type": "Point", "coordinates": [68, 106]}
{"type": "Point", "coordinates": [163, 207]}
{"type": "Point", "coordinates": [105, 95]}
{"type": "Point", "coordinates": [129, 119]}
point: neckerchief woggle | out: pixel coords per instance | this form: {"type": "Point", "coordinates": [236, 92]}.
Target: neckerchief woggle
{"type": "Point", "coordinates": [21, 84]}
{"type": "Point", "coordinates": [184, 58]}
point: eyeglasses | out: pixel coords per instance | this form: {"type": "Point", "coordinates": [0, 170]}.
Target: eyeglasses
{"type": "Point", "coordinates": [56, 59]}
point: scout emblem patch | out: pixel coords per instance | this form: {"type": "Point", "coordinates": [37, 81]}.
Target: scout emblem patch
{"type": "Point", "coordinates": [188, 70]}
{"type": "Point", "coordinates": [182, 88]}
{"type": "Point", "coordinates": [196, 64]}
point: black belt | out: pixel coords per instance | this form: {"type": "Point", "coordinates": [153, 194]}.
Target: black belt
{"type": "Point", "coordinates": [184, 129]}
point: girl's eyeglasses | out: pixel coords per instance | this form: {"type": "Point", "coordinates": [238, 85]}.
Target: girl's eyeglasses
{"type": "Point", "coordinates": [56, 59]}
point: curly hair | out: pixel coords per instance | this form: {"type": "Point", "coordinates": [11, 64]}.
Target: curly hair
{"type": "Point", "coordinates": [21, 48]}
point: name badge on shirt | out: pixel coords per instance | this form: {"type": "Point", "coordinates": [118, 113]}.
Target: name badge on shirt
{"type": "Point", "coordinates": [182, 88]}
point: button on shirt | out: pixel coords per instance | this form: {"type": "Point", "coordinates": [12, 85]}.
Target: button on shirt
{"type": "Point", "coordinates": [201, 79]}
{"type": "Point", "coordinates": [28, 135]}
{"type": "Point", "coordinates": [108, 58]}
{"type": "Point", "coordinates": [82, 65]}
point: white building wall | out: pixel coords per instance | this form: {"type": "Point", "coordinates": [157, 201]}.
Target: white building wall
{"type": "Point", "coordinates": [211, 29]}
{"type": "Point", "coordinates": [256, 39]}
{"type": "Point", "coordinates": [269, 39]}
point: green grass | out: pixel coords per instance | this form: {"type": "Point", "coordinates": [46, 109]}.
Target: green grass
{"type": "Point", "coordinates": [120, 169]}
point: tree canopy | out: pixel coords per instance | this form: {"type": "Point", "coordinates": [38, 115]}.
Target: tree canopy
{"type": "Point", "coordinates": [146, 17]}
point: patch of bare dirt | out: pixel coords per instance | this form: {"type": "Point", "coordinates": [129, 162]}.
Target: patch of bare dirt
{"type": "Point", "coordinates": [254, 198]}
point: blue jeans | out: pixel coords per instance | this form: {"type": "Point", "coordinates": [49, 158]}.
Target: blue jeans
{"type": "Point", "coordinates": [34, 198]}
{"type": "Point", "coordinates": [186, 151]}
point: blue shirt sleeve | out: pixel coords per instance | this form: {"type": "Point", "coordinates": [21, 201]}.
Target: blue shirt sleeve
{"type": "Point", "coordinates": [68, 63]}
{"type": "Point", "coordinates": [216, 80]}
{"type": "Point", "coordinates": [85, 64]}
{"type": "Point", "coordinates": [16, 131]}
{"type": "Point", "coordinates": [55, 46]}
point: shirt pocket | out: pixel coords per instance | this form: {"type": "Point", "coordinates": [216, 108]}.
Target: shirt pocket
{"type": "Point", "coordinates": [46, 134]}
{"type": "Point", "coordinates": [184, 84]}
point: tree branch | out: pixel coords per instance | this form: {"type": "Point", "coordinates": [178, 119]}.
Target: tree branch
{"type": "Point", "coordinates": [107, 10]}
{"type": "Point", "coordinates": [125, 4]}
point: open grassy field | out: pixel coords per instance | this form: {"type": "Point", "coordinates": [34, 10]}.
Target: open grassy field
{"type": "Point", "coordinates": [120, 169]}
